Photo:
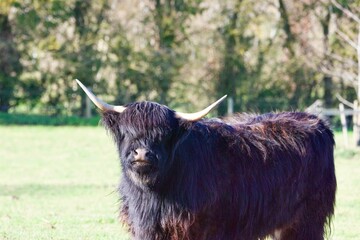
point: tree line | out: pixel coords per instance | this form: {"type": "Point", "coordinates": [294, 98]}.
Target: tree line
{"type": "Point", "coordinates": [266, 55]}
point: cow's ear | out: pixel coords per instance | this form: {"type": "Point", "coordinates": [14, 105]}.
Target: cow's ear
{"type": "Point", "coordinates": [183, 133]}
{"type": "Point", "coordinates": [110, 119]}
{"type": "Point", "coordinates": [191, 166]}
{"type": "Point", "coordinates": [192, 142]}
{"type": "Point", "coordinates": [112, 122]}
{"type": "Point", "coordinates": [181, 136]}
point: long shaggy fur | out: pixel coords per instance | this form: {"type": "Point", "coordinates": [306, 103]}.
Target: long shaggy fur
{"type": "Point", "coordinates": [241, 177]}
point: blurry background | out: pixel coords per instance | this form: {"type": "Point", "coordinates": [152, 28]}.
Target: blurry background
{"type": "Point", "coordinates": [266, 55]}
{"type": "Point", "coordinates": [269, 55]}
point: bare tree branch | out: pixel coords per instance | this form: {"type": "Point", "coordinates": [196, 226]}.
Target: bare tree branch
{"type": "Point", "coordinates": [347, 12]}
{"type": "Point", "coordinates": [348, 76]}
{"type": "Point", "coordinates": [347, 61]}
{"type": "Point", "coordinates": [344, 101]}
{"type": "Point", "coordinates": [347, 39]}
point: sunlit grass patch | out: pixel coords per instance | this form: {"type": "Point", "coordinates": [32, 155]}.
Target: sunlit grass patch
{"type": "Point", "coordinates": [60, 183]}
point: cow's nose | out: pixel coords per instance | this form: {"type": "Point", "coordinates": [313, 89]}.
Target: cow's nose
{"type": "Point", "coordinates": [140, 154]}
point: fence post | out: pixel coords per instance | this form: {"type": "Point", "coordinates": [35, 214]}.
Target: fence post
{"type": "Point", "coordinates": [230, 107]}
{"type": "Point", "coordinates": [343, 123]}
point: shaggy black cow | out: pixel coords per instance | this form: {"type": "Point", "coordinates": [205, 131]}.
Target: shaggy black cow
{"type": "Point", "coordinates": [242, 177]}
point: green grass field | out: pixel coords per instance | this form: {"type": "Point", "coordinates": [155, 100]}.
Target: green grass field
{"type": "Point", "coordinates": [60, 183]}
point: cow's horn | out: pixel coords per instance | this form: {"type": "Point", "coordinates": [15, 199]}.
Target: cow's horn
{"type": "Point", "coordinates": [99, 103]}
{"type": "Point", "coordinates": [198, 115]}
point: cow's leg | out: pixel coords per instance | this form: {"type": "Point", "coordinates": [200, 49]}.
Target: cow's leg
{"type": "Point", "coordinates": [300, 231]}
{"type": "Point", "coordinates": [277, 234]}
{"type": "Point", "coordinates": [310, 223]}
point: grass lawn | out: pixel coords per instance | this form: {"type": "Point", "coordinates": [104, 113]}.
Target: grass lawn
{"type": "Point", "coordinates": [60, 183]}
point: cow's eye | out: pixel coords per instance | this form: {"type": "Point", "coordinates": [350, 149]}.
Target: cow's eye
{"type": "Point", "coordinates": [127, 153]}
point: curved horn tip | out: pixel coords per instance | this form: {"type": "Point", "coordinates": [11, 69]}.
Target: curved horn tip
{"type": "Point", "coordinates": [199, 115]}
{"type": "Point", "coordinates": [80, 83]}
{"type": "Point", "coordinates": [99, 103]}
{"type": "Point", "coordinates": [222, 98]}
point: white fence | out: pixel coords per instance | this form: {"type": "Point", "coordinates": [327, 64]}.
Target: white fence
{"type": "Point", "coordinates": [317, 108]}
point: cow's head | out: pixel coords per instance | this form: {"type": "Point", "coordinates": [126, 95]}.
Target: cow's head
{"type": "Point", "coordinates": [146, 134]}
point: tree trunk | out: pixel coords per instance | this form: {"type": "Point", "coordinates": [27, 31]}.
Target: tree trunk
{"type": "Point", "coordinates": [357, 140]}
{"type": "Point", "coordinates": [290, 37]}
{"type": "Point", "coordinates": [327, 79]}
{"type": "Point", "coordinates": [10, 65]}
{"type": "Point", "coordinates": [328, 86]}
{"type": "Point", "coordinates": [227, 81]}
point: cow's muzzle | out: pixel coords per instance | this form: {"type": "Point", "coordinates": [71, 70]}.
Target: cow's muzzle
{"type": "Point", "coordinates": [143, 161]}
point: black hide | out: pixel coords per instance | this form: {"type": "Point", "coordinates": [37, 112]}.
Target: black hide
{"type": "Point", "coordinates": [241, 177]}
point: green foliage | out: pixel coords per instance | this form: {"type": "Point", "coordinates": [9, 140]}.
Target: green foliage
{"type": "Point", "coordinates": [171, 51]}
{"type": "Point", "coordinates": [166, 57]}
{"type": "Point", "coordinates": [31, 119]}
